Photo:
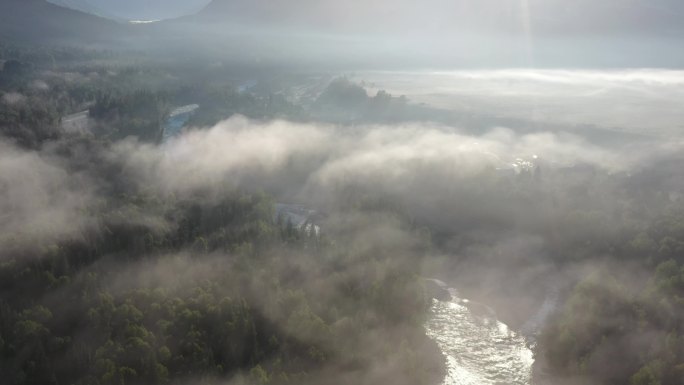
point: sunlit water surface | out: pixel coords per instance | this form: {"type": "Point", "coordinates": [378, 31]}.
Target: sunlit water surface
{"type": "Point", "coordinates": [479, 349]}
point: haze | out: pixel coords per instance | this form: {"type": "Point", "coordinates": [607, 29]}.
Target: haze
{"type": "Point", "coordinates": [236, 192]}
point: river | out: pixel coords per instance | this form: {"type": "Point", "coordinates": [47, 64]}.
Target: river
{"type": "Point", "coordinates": [479, 349]}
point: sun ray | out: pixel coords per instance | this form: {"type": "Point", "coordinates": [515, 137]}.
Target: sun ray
{"type": "Point", "coordinates": [526, 23]}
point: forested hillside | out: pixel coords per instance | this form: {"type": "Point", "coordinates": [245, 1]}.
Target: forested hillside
{"type": "Point", "coordinates": [182, 219]}
{"type": "Point", "coordinates": [106, 278]}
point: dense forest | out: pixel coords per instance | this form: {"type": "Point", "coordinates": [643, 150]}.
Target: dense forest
{"type": "Point", "coordinates": [221, 293]}
{"type": "Point", "coordinates": [155, 288]}
{"type": "Point", "coordinates": [125, 260]}
{"type": "Point", "coordinates": [636, 315]}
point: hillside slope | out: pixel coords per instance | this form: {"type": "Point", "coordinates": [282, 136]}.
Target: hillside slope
{"type": "Point", "coordinates": [87, 7]}
{"type": "Point", "coordinates": [541, 17]}
{"type": "Point", "coordinates": [37, 21]}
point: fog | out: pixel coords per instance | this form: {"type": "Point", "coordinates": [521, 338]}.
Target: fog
{"type": "Point", "coordinates": [318, 192]}
{"type": "Point", "coordinates": [371, 34]}
{"type": "Point", "coordinates": [500, 206]}
{"type": "Point", "coordinates": [41, 201]}
{"type": "Point", "coordinates": [441, 176]}
{"type": "Point", "coordinates": [645, 102]}
{"type": "Point", "coordinates": [447, 34]}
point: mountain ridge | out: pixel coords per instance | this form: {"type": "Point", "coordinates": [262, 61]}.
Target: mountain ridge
{"type": "Point", "coordinates": [39, 21]}
{"type": "Point", "coordinates": [87, 7]}
{"type": "Point", "coordinates": [552, 17]}
{"type": "Point", "coordinates": [129, 10]}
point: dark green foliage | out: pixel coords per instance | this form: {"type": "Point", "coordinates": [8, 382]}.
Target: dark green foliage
{"type": "Point", "coordinates": [222, 290]}
{"type": "Point", "coordinates": [29, 121]}
{"type": "Point", "coordinates": [344, 101]}
{"type": "Point", "coordinates": [159, 289]}
{"type": "Point", "coordinates": [140, 114]}
{"type": "Point", "coordinates": [642, 323]}
{"type": "Point", "coordinates": [221, 102]}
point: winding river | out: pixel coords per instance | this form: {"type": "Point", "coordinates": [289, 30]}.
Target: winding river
{"type": "Point", "coordinates": [479, 349]}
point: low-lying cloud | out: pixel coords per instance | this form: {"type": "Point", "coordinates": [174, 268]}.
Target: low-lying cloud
{"type": "Point", "coordinates": [437, 173]}
{"type": "Point", "coordinates": [40, 201]}
{"type": "Point", "coordinates": [646, 102]}
{"type": "Point", "coordinates": [498, 212]}
{"type": "Point", "coordinates": [238, 149]}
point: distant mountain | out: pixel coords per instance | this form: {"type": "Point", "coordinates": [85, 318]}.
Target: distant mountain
{"type": "Point", "coordinates": [41, 22]}
{"type": "Point", "coordinates": [492, 33]}
{"type": "Point", "coordinates": [125, 10]}
{"type": "Point", "coordinates": [553, 17]}
{"type": "Point", "coordinates": [88, 6]}
{"type": "Point", "coordinates": [380, 32]}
